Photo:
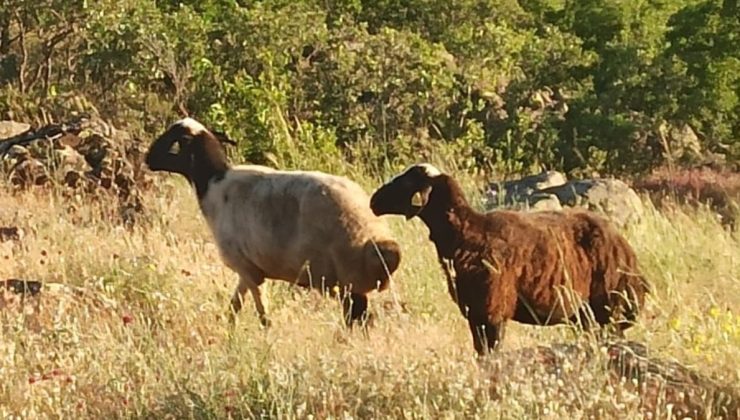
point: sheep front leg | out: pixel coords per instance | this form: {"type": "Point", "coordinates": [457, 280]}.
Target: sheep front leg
{"type": "Point", "coordinates": [247, 283]}
{"type": "Point", "coordinates": [486, 336]}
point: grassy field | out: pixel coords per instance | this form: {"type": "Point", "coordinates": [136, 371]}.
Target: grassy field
{"type": "Point", "coordinates": [141, 330]}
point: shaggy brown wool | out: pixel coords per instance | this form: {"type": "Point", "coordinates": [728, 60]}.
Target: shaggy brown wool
{"type": "Point", "coordinates": [539, 268]}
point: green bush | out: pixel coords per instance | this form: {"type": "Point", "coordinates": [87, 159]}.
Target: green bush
{"type": "Point", "coordinates": [581, 86]}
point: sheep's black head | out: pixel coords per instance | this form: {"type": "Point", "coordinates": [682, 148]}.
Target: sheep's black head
{"type": "Point", "coordinates": [200, 156]}
{"type": "Point", "coordinates": [406, 194]}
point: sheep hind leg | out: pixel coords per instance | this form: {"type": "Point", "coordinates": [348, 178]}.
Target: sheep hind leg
{"type": "Point", "coordinates": [354, 307]}
{"type": "Point", "coordinates": [248, 283]}
{"type": "Point", "coordinates": [257, 296]}
{"type": "Point", "coordinates": [590, 317]}
{"type": "Point", "coordinates": [627, 307]}
{"type": "Point", "coordinates": [605, 316]}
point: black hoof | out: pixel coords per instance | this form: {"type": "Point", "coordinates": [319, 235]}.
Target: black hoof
{"type": "Point", "coordinates": [266, 323]}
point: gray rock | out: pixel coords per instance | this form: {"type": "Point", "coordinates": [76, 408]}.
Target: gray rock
{"type": "Point", "coordinates": [612, 197]}
{"type": "Point", "coordinates": [550, 191]}
{"type": "Point", "coordinates": [543, 201]}
{"type": "Point", "coordinates": [514, 190]}
{"type": "Point", "coordinates": [12, 128]}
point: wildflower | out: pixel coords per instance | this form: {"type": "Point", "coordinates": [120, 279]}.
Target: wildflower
{"type": "Point", "coordinates": [727, 328]}
{"type": "Point", "coordinates": [674, 323]}
{"type": "Point", "coordinates": [127, 319]}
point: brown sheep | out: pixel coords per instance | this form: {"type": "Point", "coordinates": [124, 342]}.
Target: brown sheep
{"type": "Point", "coordinates": [310, 228]}
{"type": "Point", "coordinates": [510, 265]}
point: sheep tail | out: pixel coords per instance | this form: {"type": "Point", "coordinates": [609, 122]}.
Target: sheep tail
{"type": "Point", "coordinates": [381, 260]}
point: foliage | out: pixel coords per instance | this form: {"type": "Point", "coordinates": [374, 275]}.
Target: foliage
{"type": "Point", "coordinates": [578, 85]}
{"type": "Point", "coordinates": [705, 53]}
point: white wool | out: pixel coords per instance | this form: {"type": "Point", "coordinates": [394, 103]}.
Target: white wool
{"type": "Point", "coordinates": [267, 223]}
{"type": "Point", "coordinates": [191, 125]}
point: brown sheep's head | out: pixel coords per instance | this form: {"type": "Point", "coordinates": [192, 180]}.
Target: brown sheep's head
{"type": "Point", "coordinates": [199, 155]}
{"type": "Point", "coordinates": [407, 193]}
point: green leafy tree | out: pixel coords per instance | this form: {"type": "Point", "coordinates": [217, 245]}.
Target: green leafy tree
{"type": "Point", "coordinates": [704, 53]}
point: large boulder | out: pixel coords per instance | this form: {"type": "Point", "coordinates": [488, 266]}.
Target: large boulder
{"type": "Point", "coordinates": [612, 197]}
{"type": "Point", "coordinates": [551, 191]}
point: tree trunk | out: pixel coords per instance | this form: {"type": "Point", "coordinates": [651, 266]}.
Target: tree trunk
{"type": "Point", "coordinates": [4, 35]}
{"type": "Point", "coordinates": [23, 66]}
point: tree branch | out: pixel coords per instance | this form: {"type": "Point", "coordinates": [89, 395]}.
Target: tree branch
{"type": "Point", "coordinates": [24, 52]}
{"type": "Point", "coordinates": [5, 36]}
{"type": "Point", "coordinates": [49, 47]}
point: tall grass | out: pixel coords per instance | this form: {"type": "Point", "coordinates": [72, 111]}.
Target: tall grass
{"type": "Point", "coordinates": [143, 333]}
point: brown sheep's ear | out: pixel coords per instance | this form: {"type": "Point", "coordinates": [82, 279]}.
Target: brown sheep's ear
{"type": "Point", "coordinates": [418, 202]}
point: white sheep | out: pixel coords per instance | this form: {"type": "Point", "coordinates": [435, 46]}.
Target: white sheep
{"type": "Point", "coordinates": [310, 228]}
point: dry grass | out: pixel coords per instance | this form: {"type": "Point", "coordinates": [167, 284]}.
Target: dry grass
{"type": "Point", "coordinates": [718, 190]}
{"type": "Point", "coordinates": [146, 335]}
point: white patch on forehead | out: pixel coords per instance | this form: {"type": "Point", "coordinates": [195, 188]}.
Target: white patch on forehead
{"type": "Point", "coordinates": [191, 125]}
{"type": "Point", "coordinates": [430, 170]}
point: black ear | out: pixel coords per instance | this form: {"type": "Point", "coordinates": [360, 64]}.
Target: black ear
{"type": "Point", "coordinates": [418, 201]}
{"type": "Point", "coordinates": [223, 138]}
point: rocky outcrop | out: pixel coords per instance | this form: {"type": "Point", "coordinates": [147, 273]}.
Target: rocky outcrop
{"type": "Point", "coordinates": [662, 385]}
{"type": "Point", "coordinates": [552, 191]}
{"type": "Point", "coordinates": [86, 156]}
